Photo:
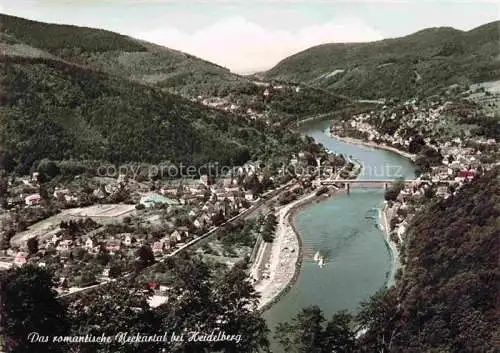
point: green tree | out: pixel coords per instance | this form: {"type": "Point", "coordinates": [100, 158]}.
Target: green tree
{"type": "Point", "coordinates": [48, 168]}
{"type": "Point", "coordinates": [5, 238]}
{"type": "Point", "coordinates": [310, 332]}
{"type": "Point", "coordinates": [115, 270]}
{"type": "Point", "coordinates": [379, 315]}
{"type": "Point", "coordinates": [145, 257]}
{"type": "Point", "coordinates": [126, 305]}
{"type": "Point", "coordinates": [29, 304]}
{"type": "Point", "coordinates": [268, 227]}
{"type": "Point", "coordinates": [339, 334]}
{"type": "Point", "coordinates": [304, 333]}
{"type": "Point", "coordinates": [32, 244]}
{"type": "Point", "coordinates": [236, 301]}
{"type": "Point", "coordinates": [392, 193]}
{"type": "Point", "coordinates": [87, 278]}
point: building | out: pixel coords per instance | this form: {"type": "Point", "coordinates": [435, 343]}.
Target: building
{"type": "Point", "coordinates": [152, 200]}
{"type": "Point", "coordinates": [20, 259]}
{"type": "Point", "coordinates": [442, 191]}
{"type": "Point", "coordinates": [60, 194]}
{"type": "Point", "coordinates": [89, 243]}
{"type": "Point", "coordinates": [204, 179]}
{"type": "Point", "coordinates": [33, 200]}
{"type": "Point", "coordinates": [176, 236]}
{"type": "Point", "coordinates": [467, 174]}
{"type": "Point", "coordinates": [64, 245]}
{"type": "Point", "coordinates": [113, 246]}
{"type": "Point", "coordinates": [34, 177]}
{"type": "Point", "coordinates": [249, 196]}
{"type": "Point", "coordinates": [111, 188]}
{"type": "Point", "coordinates": [157, 247]}
{"type": "Point", "coordinates": [127, 240]}
{"type": "Point", "coordinates": [122, 178]}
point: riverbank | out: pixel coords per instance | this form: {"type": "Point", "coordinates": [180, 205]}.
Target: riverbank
{"type": "Point", "coordinates": [284, 262]}
{"type": "Point", "coordinates": [359, 142]}
{"type": "Point", "coordinates": [286, 252]}
{"type": "Point", "coordinates": [391, 246]}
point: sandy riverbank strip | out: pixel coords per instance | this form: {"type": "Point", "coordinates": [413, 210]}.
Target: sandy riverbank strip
{"type": "Point", "coordinates": [285, 264]}
{"type": "Point", "coordinates": [282, 262]}
{"type": "Point", "coordinates": [359, 142]}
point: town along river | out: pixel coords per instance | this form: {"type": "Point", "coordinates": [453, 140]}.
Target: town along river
{"type": "Point", "coordinates": [344, 234]}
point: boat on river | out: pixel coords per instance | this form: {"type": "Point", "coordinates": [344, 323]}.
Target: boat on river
{"type": "Point", "coordinates": [316, 256]}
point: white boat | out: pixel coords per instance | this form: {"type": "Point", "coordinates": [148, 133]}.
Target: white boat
{"type": "Point", "coordinates": [316, 256]}
{"type": "Point", "coordinates": [320, 263]}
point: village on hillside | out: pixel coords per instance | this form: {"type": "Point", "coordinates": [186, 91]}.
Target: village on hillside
{"type": "Point", "coordinates": [450, 139]}
{"type": "Point", "coordinates": [92, 229]}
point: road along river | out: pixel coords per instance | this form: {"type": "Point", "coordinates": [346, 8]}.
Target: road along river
{"type": "Point", "coordinates": [345, 256]}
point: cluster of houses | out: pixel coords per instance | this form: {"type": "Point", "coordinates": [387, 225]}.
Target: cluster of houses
{"type": "Point", "coordinates": [198, 202]}
{"type": "Point", "coordinates": [229, 105]}
{"type": "Point", "coordinates": [429, 120]}
{"type": "Point", "coordinates": [94, 242]}
{"type": "Point", "coordinates": [34, 198]}
{"type": "Point", "coordinates": [461, 163]}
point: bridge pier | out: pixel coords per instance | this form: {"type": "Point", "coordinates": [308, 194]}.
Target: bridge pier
{"type": "Point", "coordinates": [386, 186]}
{"type": "Point", "coordinates": [348, 188]}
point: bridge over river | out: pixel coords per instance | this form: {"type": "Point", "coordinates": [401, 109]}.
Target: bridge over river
{"type": "Point", "coordinates": [366, 183]}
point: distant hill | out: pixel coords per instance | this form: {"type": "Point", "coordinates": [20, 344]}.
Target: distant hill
{"type": "Point", "coordinates": [117, 54]}
{"type": "Point", "coordinates": [419, 64]}
{"type": "Point", "coordinates": [171, 70]}
{"type": "Point", "coordinates": [76, 93]}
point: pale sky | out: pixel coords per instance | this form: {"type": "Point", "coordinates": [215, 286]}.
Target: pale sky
{"type": "Point", "coordinates": [252, 35]}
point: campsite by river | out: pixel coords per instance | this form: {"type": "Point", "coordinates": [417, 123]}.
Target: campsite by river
{"type": "Point", "coordinates": [346, 232]}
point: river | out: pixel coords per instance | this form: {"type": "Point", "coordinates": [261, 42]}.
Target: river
{"type": "Point", "coordinates": [344, 230]}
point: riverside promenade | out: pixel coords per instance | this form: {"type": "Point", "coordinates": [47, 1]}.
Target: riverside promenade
{"type": "Point", "coordinates": [284, 255]}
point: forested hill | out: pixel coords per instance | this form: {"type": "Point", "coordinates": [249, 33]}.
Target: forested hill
{"type": "Point", "coordinates": [117, 54]}
{"type": "Point", "coordinates": [80, 93]}
{"type": "Point", "coordinates": [52, 109]}
{"type": "Point", "coordinates": [449, 293]}
{"type": "Point", "coordinates": [422, 63]}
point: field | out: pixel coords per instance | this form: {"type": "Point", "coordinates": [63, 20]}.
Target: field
{"type": "Point", "coordinates": [45, 229]}
{"type": "Point", "coordinates": [101, 211]}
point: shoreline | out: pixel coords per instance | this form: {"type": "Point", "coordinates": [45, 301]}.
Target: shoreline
{"type": "Point", "coordinates": [289, 219]}
{"type": "Point", "coordinates": [270, 295]}
{"type": "Point", "coordinates": [286, 225]}
{"type": "Point", "coordinates": [392, 248]}
{"type": "Point", "coordinates": [289, 222]}
{"type": "Point", "coordinates": [359, 142]}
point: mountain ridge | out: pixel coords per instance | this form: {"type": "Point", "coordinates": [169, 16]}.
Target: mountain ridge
{"type": "Point", "coordinates": [62, 101]}
{"type": "Point", "coordinates": [441, 56]}
{"type": "Point", "coordinates": [118, 54]}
